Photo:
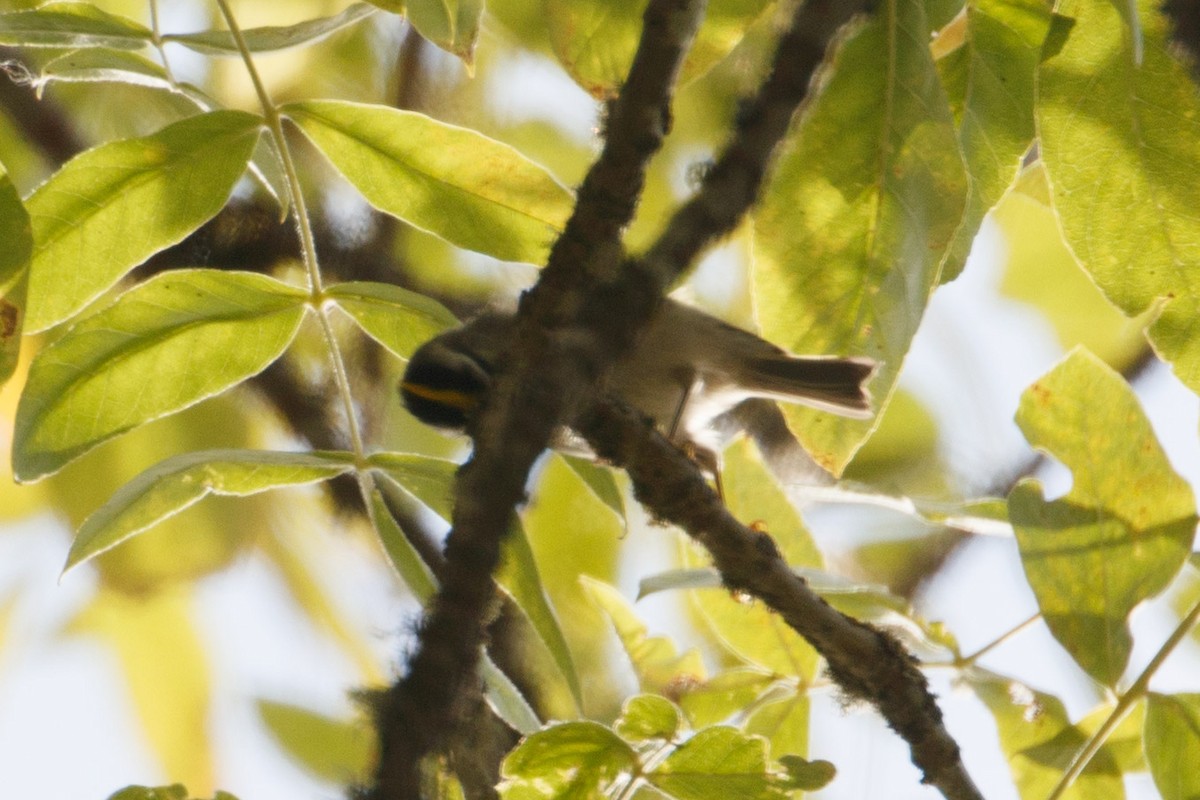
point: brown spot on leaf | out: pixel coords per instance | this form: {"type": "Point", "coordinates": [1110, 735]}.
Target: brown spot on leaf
{"type": "Point", "coordinates": [9, 316]}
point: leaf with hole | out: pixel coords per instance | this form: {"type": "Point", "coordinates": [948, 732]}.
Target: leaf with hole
{"type": "Point", "coordinates": [458, 184]}
{"type": "Point", "coordinates": [1122, 532]}
{"type": "Point", "coordinates": [110, 208]}
{"type": "Point", "coordinates": [179, 482]}
{"type": "Point", "coordinates": [162, 346]}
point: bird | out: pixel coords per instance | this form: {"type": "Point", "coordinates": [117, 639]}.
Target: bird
{"type": "Point", "coordinates": [685, 370]}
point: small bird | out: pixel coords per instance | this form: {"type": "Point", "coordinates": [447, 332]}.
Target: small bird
{"type": "Point", "coordinates": [686, 370]}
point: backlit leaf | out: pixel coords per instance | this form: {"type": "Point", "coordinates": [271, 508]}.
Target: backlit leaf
{"type": "Point", "coordinates": [109, 209]}
{"type": "Point", "coordinates": [269, 38]}
{"type": "Point", "coordinates": [1120, 140]}
{"type": "Point", "coordinates": [648, 716]}
{"type": "Point", "coordinates": [453, 182]}
{"type": "Point", "coordinates": [404, 557]}
{"type": "Point", "coordinates": [854, 227]}
{"type": "Point", "coordinates": [14, 265]}
{"type": "Point", "coordinates": [162, 346]}
{"type": "Point", "coordinates": [1122, 532]}
{"type": "Point", "coordinates": [452, 25]}
{"type": "Point", "coordinates": [398, 319]}
{"type": "Point", "coordinates": [1172, 738]}
{"type": "Point", "coordinates": [71, 24]}
{"type": "Point", "coordinates": [716, 764]}
{"type": "Point", "coordinates": [571, 759]}
{"type": "Point", "coordinates": [339, 751]}
{"type": "Point", "coordinates": [186, 479]}
{"type": "Point", "coordinates": [430, 480]}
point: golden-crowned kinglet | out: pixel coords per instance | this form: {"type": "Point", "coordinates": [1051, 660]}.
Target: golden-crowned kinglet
{"type": "Point", "coordinates": [686, 369]}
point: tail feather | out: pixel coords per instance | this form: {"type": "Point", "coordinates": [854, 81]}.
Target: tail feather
{"type": "Point", "coordinates": [831, 384]}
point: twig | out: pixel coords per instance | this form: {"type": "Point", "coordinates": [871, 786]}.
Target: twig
{"type": "Point", "coordinates": [867, 663]}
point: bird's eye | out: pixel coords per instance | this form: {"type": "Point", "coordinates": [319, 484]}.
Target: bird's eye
{"type": "Point", "coordinates": [443, 392]}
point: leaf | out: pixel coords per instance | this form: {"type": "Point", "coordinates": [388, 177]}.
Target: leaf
{"type": "Point", "coordinates": [16, 235]}
{"type": "Point", "coordinates": [506, 699]}
{"type": "Point", "coordinates": [595, 40]}
{"type": "Point", "coordinates": [71, 25]}
{"type": "Point", "coordinates": [338, 751]}
{"type": "Point", "coordinates": [162, 346]}
{"type": "Point", "coordinates": [659, 666]}
{"type": "Point", "coordinates": [453, 182]}
{"type": "Point", "coordinates": [807, 775]}
{"type": "Point", "coordinates": [172, 485]}
{"type": "Point", "coordinates": [1122, 532]}
{"type": "Point", "coordinates": [430, 480]}
{"type": "Point", "coordinates": [1040, 742]}
{"type": "Point", "coordinates": [600, 480]}
{"type": "Point", "coordinates": [724, 694]}
{"type": "Point", "coordinates": [784, 724]}
{"type": "Point", "coordinates": [109, 209]}
{"type": "Point", "coordinates": [1120, 142]}
{"type": "Point", "coordinates": [104, 65]}
{"type": "Point", "coordinates": [398, 319]}
{"type": "Point", "coordinates": [855, 224]}
{"type": "Point", "coordinates": [716, 764]}
{"type": "Point", "coordinates": [166, 672]}
{"type": "Point", "coordinates": [1172, 737]}
{"type": "Point", "coordinates": [175, 791]}
{"type": "Point", "coordinates": [452, 25]}
{"type": "Point", "coordinates": [569, 760]}
{"type": "Point", "coordinates": [995, 70]}
{"type": "Point", "coordinates": [750, 630]}
{"type": "Point", "coordinates": [648, 716]}
{"type": "Point", "coordinates": [271, 38]}
{"type": "Point", "coordinates": [519, 575]}
{"type": "Point", "coordinates": [413, 570]}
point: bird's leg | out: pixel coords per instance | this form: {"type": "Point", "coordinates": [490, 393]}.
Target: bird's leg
{"type": "Point", "coordinates": [707, 460]}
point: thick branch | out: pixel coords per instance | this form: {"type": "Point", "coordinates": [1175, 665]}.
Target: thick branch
{"type": "Point", "coordinates": [866, 662]}
{"type": "Point", "coordinates": [523, 411]}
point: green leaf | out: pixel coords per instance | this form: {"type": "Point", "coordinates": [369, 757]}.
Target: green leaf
{"type": "Point", "coordinates": [162, 346]}
{"type": "Point", "coordinates": [519, 575]}
{"type": "Point", "coordinates": [453, 182]}
{"type": "Point", "coordinates": [854, 227]}
{"type": "Point", "coordinates": [807, 775]}
{"type": "Point", "coordinates": [338, 751]}
{"type": "Point", "coordinates": [71, 25]}
{"type": "Point", "coordinates": [413, 570]}
{"type": "Point", "coordinates": [729, 692]}
{"type": "Point", "coordinates": [573, 760]}
{"type": "Point", "coordinates": [267, 39]}
{"type": "Point", "coordinates": [784, 724]}
{"type": "Point", "coordinates": [109, 209]}
{"type": "Point", "coordinates": [506, 699]}
{"type": "Point", "coordinates": [1172, 738]}
{"type": "Point", "coordinates": [398, 319]}
{"type": "Point", "coordinates": [648, 716]}
{"type": "Point", "coordinates": [750, 630]}
{"type": "Point", "coordinates": [104, 65]}
{"type": "Point", "coordinates": [430, 480]}
{"type": "Point", "coordinates": [16, 235]}
{"type": "Point", "coordinates": [452, 25]}
{"type": "Point", "coordinates": [184, 480]}
{"type": "Point", "coordinates": [717, 764]}
{"type": "Point", "coordinates": [1122, 532]}
{"type": "Point", "coordinates": [659, 666]}
{"type": "Point", "coordinates": [995, 71]}
{"type": "Point", "coordinates": [600, 480]}
{"type": "Point", "coordinates": [175, 791]}
{"type": "Point", "coordinates": [595, 40]}
{"type": "Point", "coordinates": [1120, 143]}
{"type": "Point", "coordinates": [1040, 742]}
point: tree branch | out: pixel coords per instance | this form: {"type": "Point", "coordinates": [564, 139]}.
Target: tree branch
{"type": "Point", "coordinates": [867, 663]}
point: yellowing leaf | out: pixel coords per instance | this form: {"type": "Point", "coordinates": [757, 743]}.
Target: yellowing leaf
{"type": "Point", "coordinates": [1120, 139]}
{"type": "Point", "coordinates": [1173, 744]}
{"type": "Point", "coordinates": [340, 751]}
{"type": "Point", "coordinates": [162, 346]}
{"type": "Point", "coordinates": [854, 227]}
{"type": "Point", "coordinates": [110, 208]}
{"type": "Point", "coordinates": [453, 182]}
{"type": "Point", "coordinates": [271, 38]}
{"type": "Point", "coordinates": [1122, 532]}
{"type": "Point", "coordinates": [452, 25]}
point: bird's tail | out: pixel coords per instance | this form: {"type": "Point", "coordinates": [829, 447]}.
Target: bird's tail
{"type": "Point", "coordinates": [830, 384]}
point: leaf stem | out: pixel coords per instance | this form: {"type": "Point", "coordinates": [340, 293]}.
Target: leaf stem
{"type": "Point", "coordinates": [159, 44]}
{"type": "Point", "coordinates": [307, 244]}
{"type": "Point", "coordinates": [1125, 703]}
{"type": "Point", "coordinates": [966, 661]}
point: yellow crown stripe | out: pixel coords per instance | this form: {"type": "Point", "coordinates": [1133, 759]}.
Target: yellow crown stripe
{"type": "Point", "coordinates": [448, 397]}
